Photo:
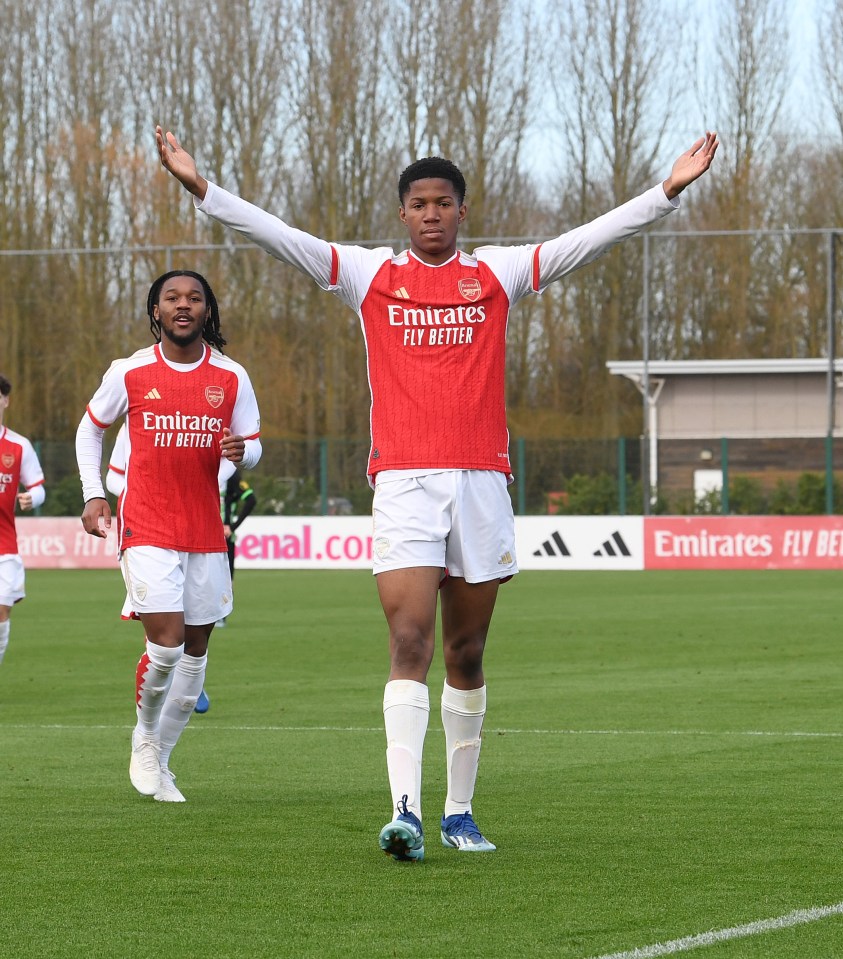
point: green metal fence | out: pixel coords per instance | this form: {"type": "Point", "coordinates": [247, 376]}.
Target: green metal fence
{"type": "Point", "coordinates": [602, 476]}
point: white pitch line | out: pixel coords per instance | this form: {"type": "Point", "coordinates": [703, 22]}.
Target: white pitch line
{"type": "Point", "coordinates": [745, 733]}
{"type": "Point", "coordinates": [796, 918]}
{"type": "Point", "coordinates": [667, 732]}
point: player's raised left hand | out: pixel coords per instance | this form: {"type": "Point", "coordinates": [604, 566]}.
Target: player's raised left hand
{"type": "Point", "coordinates": [691, 164]}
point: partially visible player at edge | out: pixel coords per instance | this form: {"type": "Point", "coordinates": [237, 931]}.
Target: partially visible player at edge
{"type": "Point", "coordinates": [237, 503]}
{"type": "Point", "coordinates": [434, 320]}
{"type": "Point", "coordinates": [186, 405]}
{"type": "Point", "coordinates": [19, 466]}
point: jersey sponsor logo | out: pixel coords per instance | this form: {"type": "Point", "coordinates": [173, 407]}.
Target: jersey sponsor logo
{"type": "Point", "coordinates": [435, 315]}
{"type": "Point", "coordinates": [401, 293]}
{"type": "Point", "coordinates": [182, 430]}
{"type": "Point", "coordinates": [8, 461]}
{"type": "Point", "coordinates": [214, 395]}
{"type": "Point", "coordinates": [181, 421]}
{"type": "Point", "coordinates": [153, 394]}
{"type": "Point", "coordinates": [470, 288]}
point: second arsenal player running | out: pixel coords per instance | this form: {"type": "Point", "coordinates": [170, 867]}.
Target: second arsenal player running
{"type": "Point", "coordinates": [185, 404]}
{"type": "Point", "coordinates": [435, 321]}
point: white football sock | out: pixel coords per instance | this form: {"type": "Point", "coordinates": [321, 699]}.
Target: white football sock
{"type": "Point", "coordinates": [152, 680]}
{"type": "Point", "coordinates": [462, 719]}
{"type": "Point", "coordinates": [4, 637]}
{"type": "Point", "coordinates": [406, 709]}
{"type": "Point", "coordinates": [188, 679]}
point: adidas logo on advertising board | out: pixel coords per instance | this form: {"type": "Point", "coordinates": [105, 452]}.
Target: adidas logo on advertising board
{"type": "Point", "coordinates": [581, 543]}
{"type": "Point", "coordinates": [614, 546]}
{"type": "Point", "coordinates": [555, 546]}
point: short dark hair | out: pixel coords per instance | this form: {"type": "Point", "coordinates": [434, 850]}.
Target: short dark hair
{"type": "Point", "coordinates": [5, 386]}
{"type": "Point", "coordinates": [211, 332]}
{"type": "Point", "coordinates": [431, 168]}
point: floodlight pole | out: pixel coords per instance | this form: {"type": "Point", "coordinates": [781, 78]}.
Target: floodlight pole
{"type": "Point", "coordinates": [831, 307]}
{"type": "Point", "coordinates": [645, 377]}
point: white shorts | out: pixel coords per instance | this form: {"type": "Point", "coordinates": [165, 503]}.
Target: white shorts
{"type": "Point", "coordinates": [11, 579]}
{"type": "Point", "coordinates": [459, 520]}
{"type": "Point", "coordinates": [167, 581]}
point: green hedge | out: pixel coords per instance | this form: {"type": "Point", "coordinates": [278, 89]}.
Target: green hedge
{"type": "Point", "coordinates": [598, 495]}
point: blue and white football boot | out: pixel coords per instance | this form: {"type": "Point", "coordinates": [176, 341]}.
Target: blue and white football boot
{"type": "Point", "coordinates": [403, 838]}
{"type": "Point", "coordinates": [461, 832]}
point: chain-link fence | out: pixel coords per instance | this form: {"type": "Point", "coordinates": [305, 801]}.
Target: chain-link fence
{"type": "Point", "coordinates": [65, 313]}
{"type": "Point", "coordinates": [585, 477]}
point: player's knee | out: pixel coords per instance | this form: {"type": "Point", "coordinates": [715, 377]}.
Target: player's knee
{"type": "Point", "coordinates": [466, 653]}
{"type": "Point", "coordinates": [411, 646]}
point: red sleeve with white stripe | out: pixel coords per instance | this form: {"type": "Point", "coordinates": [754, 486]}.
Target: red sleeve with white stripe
{"type": "Point", "coordinates": [31, 474]}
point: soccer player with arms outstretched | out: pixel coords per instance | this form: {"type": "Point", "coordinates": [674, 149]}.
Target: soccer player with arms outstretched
{"type": "Point", "coordinates": [186, 405]}
{"type": "Point", "coordinates": [434, 320]}
{"type": "Point", "coordinates": [19, 466]}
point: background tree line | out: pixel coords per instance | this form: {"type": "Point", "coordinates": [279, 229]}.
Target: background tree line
{"type": "Point", "coordinates": [555, 112]}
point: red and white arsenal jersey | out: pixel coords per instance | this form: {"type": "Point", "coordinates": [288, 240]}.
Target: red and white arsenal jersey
{"type": "Point", "coordinates": [19, 466]}
{"type": "Point", "coordinates": [436, 353]}
{"type": "Point", "coordinates": [436, 335]}
{"type": "Point", "coordinates": [175, 415]}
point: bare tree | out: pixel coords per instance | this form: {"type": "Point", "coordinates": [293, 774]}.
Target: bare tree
{"type": "Point", "coordinates": [25, 224]}
{"type": "Point", "coordinates": [830, 34]}
{"type": "Point", "coordinates": [336, 189]}
{"type": "Point", "coordinates": [475, 107]}
{"type": "Point", "coordinates": [752, 65]}
{"type": "Point", "coordinates": [614, 90]}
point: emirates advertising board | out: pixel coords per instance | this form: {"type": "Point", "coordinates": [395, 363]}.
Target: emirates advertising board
{"type": "Point", "coordinates": [743, 542]}
{"type": "Point", "coordinates": [542, 542]}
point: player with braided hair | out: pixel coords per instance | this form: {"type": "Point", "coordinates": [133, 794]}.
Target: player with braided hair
{"type": "Point", "coordinates": [211, 330]}
{"type": "Point", "coordinates": [185, 405]}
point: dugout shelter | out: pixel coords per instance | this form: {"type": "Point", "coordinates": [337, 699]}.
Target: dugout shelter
{"type": "Point", "coordinates": [771, 419]}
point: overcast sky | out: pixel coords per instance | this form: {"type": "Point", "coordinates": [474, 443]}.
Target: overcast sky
{"type": "Point", "coordinates": [806, 114]}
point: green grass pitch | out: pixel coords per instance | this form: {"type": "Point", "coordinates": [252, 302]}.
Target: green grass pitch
{"type": "Point", "coordinates": [662, 757]}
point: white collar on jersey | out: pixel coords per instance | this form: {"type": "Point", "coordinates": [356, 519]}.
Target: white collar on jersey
{"type": "Point", "coordinates": [433, 266]}
{"type": "Point", "coordinates": [184, 367]}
